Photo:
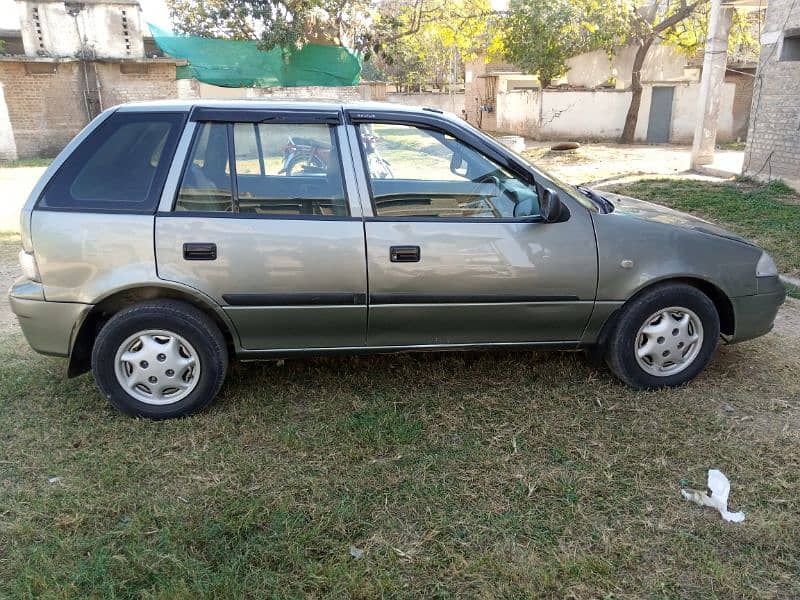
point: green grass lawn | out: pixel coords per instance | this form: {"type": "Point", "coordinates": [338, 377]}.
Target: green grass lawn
{"type": "Point", "coordinates": [485, 475]}
{"type": "Point", "coordinates": [767, 214]}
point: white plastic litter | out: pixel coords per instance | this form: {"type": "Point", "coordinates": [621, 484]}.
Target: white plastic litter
{"type": "Point", "coordinates": [720, 488]}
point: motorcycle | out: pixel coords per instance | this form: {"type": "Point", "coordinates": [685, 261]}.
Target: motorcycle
{"type": "Point", "coordinates": [307, 156]}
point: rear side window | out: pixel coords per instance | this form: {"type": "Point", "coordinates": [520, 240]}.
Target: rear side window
{"type": "Point", "coordinates": [280, 169]}
{"type": "Point", "coordinates": [121, 166]}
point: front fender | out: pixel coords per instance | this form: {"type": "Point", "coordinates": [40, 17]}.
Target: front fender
{"type": "Point", "coordinates": [634, 254]}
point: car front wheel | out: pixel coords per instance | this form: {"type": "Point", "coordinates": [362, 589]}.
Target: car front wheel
{"type": "Point", "coordinates": [160, 359]}
{"type": "Point", "coordinates": [663, 338]}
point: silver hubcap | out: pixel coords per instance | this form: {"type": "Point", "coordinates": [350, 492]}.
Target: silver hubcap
{"type": "Point", "coordinates": [669, 341]}
{"type": "Point", "coordinates": [157, 367]}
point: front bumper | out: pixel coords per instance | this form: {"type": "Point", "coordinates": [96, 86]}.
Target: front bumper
{"type": "Point", "coordinates": [755, 315]}
{"type": "Point", "coordinates": [48, 326]}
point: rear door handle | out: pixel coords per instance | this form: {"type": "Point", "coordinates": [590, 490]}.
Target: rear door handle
{"type": "Point", "coordinates": [404, 253]}
{"type": "Point", "coordinates": [196, 251]}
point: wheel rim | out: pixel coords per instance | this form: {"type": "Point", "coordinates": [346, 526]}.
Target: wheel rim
{"type": "Point", "coordinates": [669, 341]}
{"type": "Point", "coordinates": [157, 367]}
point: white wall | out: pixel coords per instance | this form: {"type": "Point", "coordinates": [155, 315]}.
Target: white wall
{"type": "Point", "coordinates": [684, 113]}
{"type": "Point", "coordinates": [8, 146]}
{"type": "Point", "coordinates": [453, 103]}
{"type": "Point", "coordinates": [584, 115]}
{"type": "Point", "coordinates": [591, 69]}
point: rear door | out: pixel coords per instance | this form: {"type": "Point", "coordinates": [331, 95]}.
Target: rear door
{"type": "Point", "coordinates": [281, 249]}
{"type": "Point", "coordinates": [457, 252]}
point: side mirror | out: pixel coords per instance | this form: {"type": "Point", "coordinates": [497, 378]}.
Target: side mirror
{"type": "Point", "coordinates": [550, 206]}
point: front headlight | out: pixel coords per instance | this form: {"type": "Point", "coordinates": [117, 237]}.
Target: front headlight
{"type": "Point", "coordinates": [766, 267]}
{"type": "Point", "coordinates": [29, 267]}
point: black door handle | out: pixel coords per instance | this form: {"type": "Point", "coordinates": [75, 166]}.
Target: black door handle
{"type": "Point", "coordinates": [205, 251]}
{"type": "Point", "coordinates": [404, 253]}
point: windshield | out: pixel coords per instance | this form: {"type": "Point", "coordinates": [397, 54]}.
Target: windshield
{"type": "Point", "coordinates": [562, 185]}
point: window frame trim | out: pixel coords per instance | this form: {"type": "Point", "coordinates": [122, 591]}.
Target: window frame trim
{"type": "Point", "coordinates": [424, 123]}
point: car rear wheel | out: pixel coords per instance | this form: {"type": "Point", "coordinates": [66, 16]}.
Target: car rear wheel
{"type": "Point", "coordinates": [160, 359]}
{"type": "Point", "coordinates": [664, 337]}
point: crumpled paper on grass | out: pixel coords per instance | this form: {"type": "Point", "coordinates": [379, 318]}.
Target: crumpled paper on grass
{"type": "Point", "coordinates": [720, 489]}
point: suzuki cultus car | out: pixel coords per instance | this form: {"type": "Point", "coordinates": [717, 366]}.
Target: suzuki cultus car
{"type": "Point", "coordinates": [169, 237]}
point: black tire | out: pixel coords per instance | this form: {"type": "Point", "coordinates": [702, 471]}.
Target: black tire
{"type": "Point", "coordinates": [173, 316]}
{"type": "Point", "coordinates": [621, 345]}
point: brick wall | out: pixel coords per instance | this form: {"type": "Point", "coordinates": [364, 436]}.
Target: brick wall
{"type": "Point", "coordinates": [45, 109]}
{"type": "Point", "coordinates": [45, 99]}
{"type": "Point", "coordinates": [742, 99]}
{"type": "Point", "coordinates": [773, 138]}
{"type": "Point", "coordinates": [141, 81]}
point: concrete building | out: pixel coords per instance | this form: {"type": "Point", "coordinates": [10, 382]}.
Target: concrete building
{"type": "Point", "coordinates": [89, 28]}
{"type": "Point", "coordinates": [773, 141]}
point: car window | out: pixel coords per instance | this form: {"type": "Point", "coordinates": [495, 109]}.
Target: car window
{"type": "Point", "coordinates": [281, 169]}
{"type": "Point", "coordinates": [121, 166]}
{"type": "Point", "coordinates": [206, 184]}
{"type": "Point", "coordinates": [419, 172]}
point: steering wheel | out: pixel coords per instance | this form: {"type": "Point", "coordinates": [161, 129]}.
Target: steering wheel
{"type": "Point", "coordinates": [510, 193]}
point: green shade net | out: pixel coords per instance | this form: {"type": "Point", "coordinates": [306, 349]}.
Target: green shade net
{"type": "Point", "coordinates": [239, 63]}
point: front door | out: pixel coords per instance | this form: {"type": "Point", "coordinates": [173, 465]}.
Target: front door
{"type": "Point", "coordinates": [261, 223]}
{"type": "Point", "coordinates": [457, 254]}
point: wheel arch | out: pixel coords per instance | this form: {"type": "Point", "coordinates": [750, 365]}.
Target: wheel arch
{"type": "Point", "coordinates": [722, 303]}
{"type": "Point", "coordinates": [106, 307]}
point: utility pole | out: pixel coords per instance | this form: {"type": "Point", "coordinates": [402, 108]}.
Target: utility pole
{"type": "Point", "coordinates": [715, 61]}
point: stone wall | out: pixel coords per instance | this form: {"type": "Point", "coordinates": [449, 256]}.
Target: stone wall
{"type": "Point", "coordinates": [773, 138]}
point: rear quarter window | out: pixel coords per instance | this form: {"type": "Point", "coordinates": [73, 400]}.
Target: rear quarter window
{"type": "Point", "coordinates": [121, 166]}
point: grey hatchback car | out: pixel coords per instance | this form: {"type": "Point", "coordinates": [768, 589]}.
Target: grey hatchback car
{"type": "Point", "coordinates": [168, 237]}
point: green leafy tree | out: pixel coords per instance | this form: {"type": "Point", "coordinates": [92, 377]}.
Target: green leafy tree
{"type": "Point", "coordinates": [679, 23]}
{"type": "Point", "coordinates": [435, 52]}
{"type": "Point", "coordinates": [540, 36]}
{"type": "Point", "coordinates": [362, 25]}
{"type": "Point", "coordinates": [646, 25]}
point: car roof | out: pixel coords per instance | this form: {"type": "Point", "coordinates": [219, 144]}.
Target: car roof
{"type": "Point", "coordinates": [274, 104]}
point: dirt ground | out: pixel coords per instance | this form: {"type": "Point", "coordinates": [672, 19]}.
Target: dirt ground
{"type": "Point", "coordinates": [599, 164]}
{"type": "Point", "coordinates": [15, 183]}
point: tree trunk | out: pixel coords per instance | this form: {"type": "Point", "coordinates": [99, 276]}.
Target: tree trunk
{"type": "Point", "coordinates": [632, 118]}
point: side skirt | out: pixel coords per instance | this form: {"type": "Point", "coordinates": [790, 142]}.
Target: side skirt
{"type": "Point", "coordinates": [247, 355]}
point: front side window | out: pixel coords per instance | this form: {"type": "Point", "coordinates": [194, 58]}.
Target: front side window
{"type": "Point", "coordinates": [121, 166]}
{"type": "Point", "coordinates": [280, 169]}
{"type": "Point", "coordinates": [418, 172]}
